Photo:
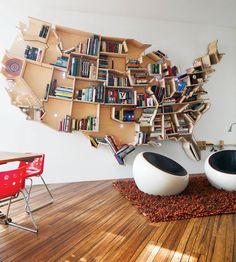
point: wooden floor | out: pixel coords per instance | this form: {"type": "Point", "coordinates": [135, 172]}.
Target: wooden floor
{"type": "Point", "coordinates": [91, 221]}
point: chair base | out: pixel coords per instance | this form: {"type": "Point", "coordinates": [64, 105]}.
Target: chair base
{"type": "Point", "coordinates": [29, 192]}
{"type": "Point", "coordinates": [22, 227]}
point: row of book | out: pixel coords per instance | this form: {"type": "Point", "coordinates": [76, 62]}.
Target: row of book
{"type": "Point", "coordinates": [133, 63]}
{"type": "Point", "coordinates": [141, 138]}
{"type": "Point", "coordinates": [44, 31]}
{"type": "Point", "coordinates": [154, 69]}
{"type": "Point", "coordinates": [88, 48]}
{"type": "Point", "coordinates": [120, 96]}
{"type": "Point", "coordinates": [69, 124]}
{"type": "Point", "coordinates": [114, 80]}
{"type": "Point", "coordinates": [33, 53]}
{"type": "Point", "coordinates": [157, 128]}
{"type": "Point", "coordinates": [143, 100]}
{"type": "Point", "coordinates": [83, 68]}
{"type": "Point", "coordinates": [113, 47]}
{"type": "Point", "coordinates": [91, 94]}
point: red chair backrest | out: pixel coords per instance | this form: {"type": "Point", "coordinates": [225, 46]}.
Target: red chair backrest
{"type": "Point", "coordinates": [11, 182]}
{"type": "Point", "coordinates": [36, 164]}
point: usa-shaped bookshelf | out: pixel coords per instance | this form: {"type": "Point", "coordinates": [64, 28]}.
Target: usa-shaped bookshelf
{"type": "Point", "coordinates": [73, 80]}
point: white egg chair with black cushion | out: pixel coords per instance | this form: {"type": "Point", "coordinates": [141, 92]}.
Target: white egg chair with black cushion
{"type": "Point", "coordinates": [220, 169]}
{"type": "Point", "coordinates": [156, 174]}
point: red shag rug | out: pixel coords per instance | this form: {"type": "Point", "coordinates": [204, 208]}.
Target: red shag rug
{"type": "Point", "coordinates": [198, 199]}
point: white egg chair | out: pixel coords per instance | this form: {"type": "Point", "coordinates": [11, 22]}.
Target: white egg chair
{"type": "Point", "coordinates": [220, 169]}
{"type": "Point", "coordinates": [156, 174]}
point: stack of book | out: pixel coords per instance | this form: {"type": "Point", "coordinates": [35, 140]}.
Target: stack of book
{"type": "Point", "coordinates": [63, 92]}
{"type": "Point", "coordinates": [120, 96]}
{"type": "Point", "coordinates": [112, 46]}
{"type": "Point", "coordinates": [147, 117]}
{"type": "Point", "coordinates": [102, 74]}
{"type": "Point", "coordinates": [133, 63]}
{"type": "Point", "coordinates": [168, 100]}
{"type": "Point", "coordinates": [91, 94]}
{"type": "Point", "coordinates": [120, 152]}
{"type": "Point", "coordinates": [33, 53]}
{"type": "Point", "coordinates": [114, 80]}
{"type": "Point", "coordinates": [83, 68]}
{"type": "Point", "coordinates": [157, 132]}
{"type": "Point", "coordinates": [44, 31]}
{"type": "Point", "coordinates": [168, 126]}
{"type": "Point", "coordinates": [182, 127]}
{"type": "Point", "coordinates": [143, 100]}
{"type": "Point", "coordinates": [103, 61]}
{"type": "Point", "coordinates": [154, 69]}
{"type": "Point", "coordinates": [139, 78]}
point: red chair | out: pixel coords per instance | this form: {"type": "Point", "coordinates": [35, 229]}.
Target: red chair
{"type": "Point", "coordinates": [11, 184]}
{"type": "Point", "coordinates": [35, 169]}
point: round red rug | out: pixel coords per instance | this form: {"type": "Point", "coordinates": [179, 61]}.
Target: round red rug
{"type": "Point", "coordinates": [199, 199]}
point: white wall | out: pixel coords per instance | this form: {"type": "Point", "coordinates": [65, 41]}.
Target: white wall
{"type": "Point", "coordinates": [70, 157]}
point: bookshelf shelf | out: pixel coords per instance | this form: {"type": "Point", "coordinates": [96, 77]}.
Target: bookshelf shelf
{"type": "Point", "coordinates": [80, 81]}
{"type": "Point", "coordinates": [85, 79]}
{"type": "Point", "coordinates": [86, 102]}
{"type": "Point", "coordinates": [59, 98]}
{"type": "Point", "coordinates": [113, 54]}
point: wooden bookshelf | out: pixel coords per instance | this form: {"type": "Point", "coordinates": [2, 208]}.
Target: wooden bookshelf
{"type": "Point", "coordinates": [49, 71]}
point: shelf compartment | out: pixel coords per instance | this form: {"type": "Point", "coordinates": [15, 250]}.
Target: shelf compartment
{"type": "Point", "coordinates": [56, 110]}
{"type": "Point", "coordinates": [70, 38]}
{"type": "Point", "coordinates": [83, 110]}
{"type": "Point", "coordinates": [36, 30]}
{"type": "Point", "coordinates": [32, 73]}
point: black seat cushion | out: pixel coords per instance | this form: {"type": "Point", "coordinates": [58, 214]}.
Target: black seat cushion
{"type": "Point", "coordinates": [224, 161]}
{"type": "Point", "coordinates": [165, 164]}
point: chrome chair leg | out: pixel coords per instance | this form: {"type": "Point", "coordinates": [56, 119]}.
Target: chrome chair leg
{"type": "Point", "coordinates": [44, 205]}
{"type": "Point", "coordinates": [9, 222]}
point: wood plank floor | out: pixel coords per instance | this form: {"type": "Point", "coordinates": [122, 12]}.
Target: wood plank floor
{"type": "Point", "coordinates": [91, 221]}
